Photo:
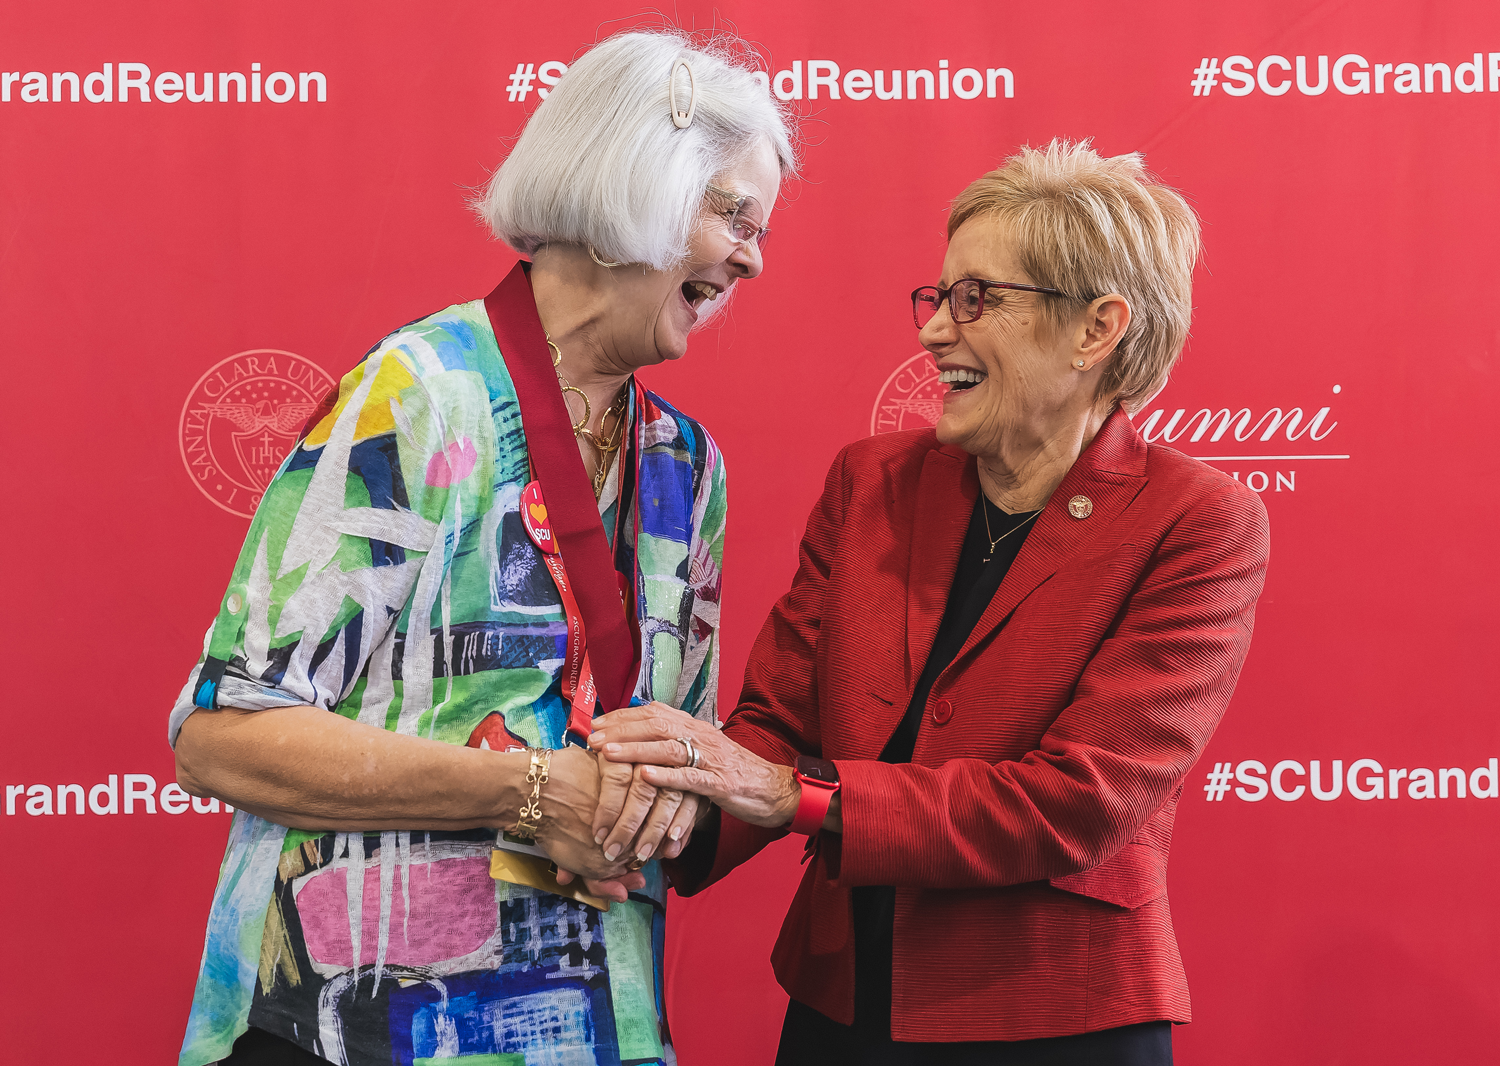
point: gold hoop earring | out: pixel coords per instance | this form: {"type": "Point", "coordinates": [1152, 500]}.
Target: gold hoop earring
{"type": "Point", "coordinates": [595, 257]}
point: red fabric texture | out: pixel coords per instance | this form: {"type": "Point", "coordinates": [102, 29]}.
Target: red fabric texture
{"type": "Point", "coordinates": [571, 505]}
{"type": "Point", "coordinates": [1028, 837]}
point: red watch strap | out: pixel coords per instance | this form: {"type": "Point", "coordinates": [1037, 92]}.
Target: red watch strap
{"type": "Point", "coordinates": [812, 808]}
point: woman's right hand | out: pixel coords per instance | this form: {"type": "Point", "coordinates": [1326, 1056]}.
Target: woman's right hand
{"type": "Point", "coordinates": [740, 782]}
{"type": "Point", "coordinates": [569, 800]}
{"type": "Point", "coordinates": [640, 819]}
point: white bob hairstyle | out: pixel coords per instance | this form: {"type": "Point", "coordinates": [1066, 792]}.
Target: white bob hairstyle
{"type": "Point", "coordinates": [601, 162]}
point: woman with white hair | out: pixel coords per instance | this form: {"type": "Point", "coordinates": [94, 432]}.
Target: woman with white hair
{"type": "Point", "coordinates": [441, 563]}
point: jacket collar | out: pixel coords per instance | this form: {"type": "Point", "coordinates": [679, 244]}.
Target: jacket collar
{"type": "Point", "coordinates": [946, 492]}
{"type": "Point", "coordinates": [1109, 473]}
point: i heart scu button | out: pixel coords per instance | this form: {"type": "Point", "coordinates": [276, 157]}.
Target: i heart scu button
{"type": "Point", "coordinates": [534, 518]}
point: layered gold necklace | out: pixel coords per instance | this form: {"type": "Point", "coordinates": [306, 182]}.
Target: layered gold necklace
{"type": "Point", "coordinates": [606, 442]}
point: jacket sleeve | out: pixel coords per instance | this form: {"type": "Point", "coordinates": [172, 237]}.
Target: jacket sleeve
{"type": "Point", "coordinates": [1143, 711]}
{"type": "Point", "coordinates": [777, 716]}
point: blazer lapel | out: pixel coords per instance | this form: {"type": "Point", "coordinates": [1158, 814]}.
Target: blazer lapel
{"type": "Point", "coordinates": [946, 493]}
{"type": "Point", "coordinates": [1110, 474]}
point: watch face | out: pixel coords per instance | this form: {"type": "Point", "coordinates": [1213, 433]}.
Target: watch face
{"type": "Point", "coordinates": [817, 770]}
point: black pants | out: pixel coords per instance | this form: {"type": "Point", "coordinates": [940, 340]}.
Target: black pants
{"type": "Point", "coordinates": [256, 1047]}
{"type": "Point", "coordinates": [811, 1039]}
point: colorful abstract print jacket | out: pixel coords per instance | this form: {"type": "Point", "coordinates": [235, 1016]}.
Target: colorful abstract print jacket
{"type": "Point", "coordinates": [387, 577]}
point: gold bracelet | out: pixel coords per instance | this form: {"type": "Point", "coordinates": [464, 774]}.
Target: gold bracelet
{"type": "Point", "coordinates": [531, 811]}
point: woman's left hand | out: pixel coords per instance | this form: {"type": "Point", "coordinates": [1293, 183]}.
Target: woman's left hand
{"type": "Point", "coordinates": [740, 782]}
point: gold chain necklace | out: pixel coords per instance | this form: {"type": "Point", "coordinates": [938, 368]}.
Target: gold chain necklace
{"type": "Point", "coordinates": [605, 444]}
{"type": "Point", "coordinates": [994, 540]}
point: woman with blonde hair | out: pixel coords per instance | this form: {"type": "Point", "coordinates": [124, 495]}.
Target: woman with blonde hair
{"type": "Point", "coordinates": [397, 689]}
{"type": "Point", "coordinates": [1008, 640]}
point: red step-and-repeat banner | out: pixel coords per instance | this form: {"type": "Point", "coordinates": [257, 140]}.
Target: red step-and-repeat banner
{"type": "Point", "coordinates": [204, 205]}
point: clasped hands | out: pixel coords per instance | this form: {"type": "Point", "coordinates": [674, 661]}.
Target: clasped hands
{"type": "Point", "coordinates": [645, 799]}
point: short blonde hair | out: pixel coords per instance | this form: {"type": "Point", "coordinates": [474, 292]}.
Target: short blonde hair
{"type": "Point", "coordinates": [601, 162]}
{"type": "Point", "coordinates": [1089, 226]}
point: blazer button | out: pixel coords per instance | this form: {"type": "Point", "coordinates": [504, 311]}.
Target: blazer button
{"type": "Point", "coordinates": [942, 712]}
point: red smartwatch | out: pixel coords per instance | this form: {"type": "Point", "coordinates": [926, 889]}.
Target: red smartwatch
{"type": "Point", "coordinates": [819, 779]}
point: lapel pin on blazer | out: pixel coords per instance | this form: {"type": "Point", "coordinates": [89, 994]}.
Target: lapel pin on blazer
{"type": "Point", "coordinates": [1080, 507]}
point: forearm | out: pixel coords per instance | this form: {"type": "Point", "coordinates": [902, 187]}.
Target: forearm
{"type": "Point", "coordinates": [310, 769]}
{"type": "Point", "coordinates": [777, 789]}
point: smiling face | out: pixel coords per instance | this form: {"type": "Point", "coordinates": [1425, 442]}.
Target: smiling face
{"type": "Point", "coordinates": [1012, 380]}
{"type": "Point", "coordinates": [658, 309]}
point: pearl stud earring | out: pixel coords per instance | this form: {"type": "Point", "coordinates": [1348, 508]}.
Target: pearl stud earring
{"type": "Point", "coordinates": [1079, 364]}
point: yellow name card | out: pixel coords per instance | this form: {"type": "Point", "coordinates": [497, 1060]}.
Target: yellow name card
{"type": "Point", "coordinates": [536, 873]}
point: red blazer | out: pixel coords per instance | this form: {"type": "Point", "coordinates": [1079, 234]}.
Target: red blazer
{"type": "Point", "coordinates": [1028, 836]}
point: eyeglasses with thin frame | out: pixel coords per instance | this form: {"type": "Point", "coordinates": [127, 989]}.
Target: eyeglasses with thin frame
{"type": "Point", "coordinates": [966, 298]}
{"type": "Point", "coordinates": [743, 217]}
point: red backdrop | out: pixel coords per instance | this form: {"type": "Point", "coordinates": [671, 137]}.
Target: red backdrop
{"type": "Point", "coordinates": [1350, 240]}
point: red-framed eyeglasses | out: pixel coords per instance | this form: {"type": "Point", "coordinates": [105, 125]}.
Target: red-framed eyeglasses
{"type": "Point", "coordinates": [966, 298]}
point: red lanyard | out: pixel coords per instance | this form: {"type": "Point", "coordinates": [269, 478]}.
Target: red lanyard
{"type": "Point", "coordinates": [577, 673]}
{"type": "Point", "coordinates": [577, 681]}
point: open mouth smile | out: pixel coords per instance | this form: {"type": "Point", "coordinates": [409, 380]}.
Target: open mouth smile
{"type": "Point", "coordinates": [696, 293]}
{"type": "Point", "coordinates": [961, 380]}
